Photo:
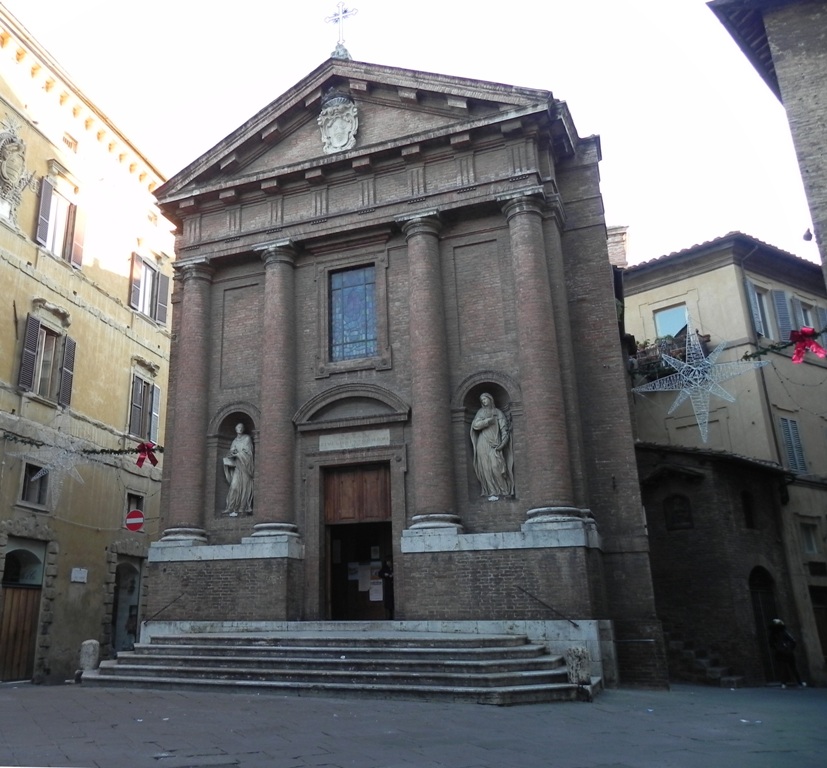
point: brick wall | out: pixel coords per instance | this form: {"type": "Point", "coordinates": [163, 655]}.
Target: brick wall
{"type": "Point", "coordinates": [493, 585]}
{"type": "Point", "coordinates": [702, 574]}
{"type": "Point", "coordinates": [266, 590]}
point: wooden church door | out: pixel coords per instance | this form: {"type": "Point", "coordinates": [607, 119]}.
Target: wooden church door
{"type": "Point", "coordinates": [357, 511]}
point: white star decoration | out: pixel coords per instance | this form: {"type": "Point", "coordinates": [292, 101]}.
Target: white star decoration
{"type": "Point", "coordinates": [698, 377]}
{"type": "Point", "coordinates": [57, 463]}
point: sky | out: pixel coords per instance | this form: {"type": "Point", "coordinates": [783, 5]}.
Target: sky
{"type": "Point", "coordinates": [694, 143]}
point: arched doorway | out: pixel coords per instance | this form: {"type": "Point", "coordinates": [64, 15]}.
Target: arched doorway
{"type": "Point", "coordinates": [125, 620]}
{"type": "Point", "coordinates": [21, 588]}
{"type": "Point", "coordinates": [762, 592]}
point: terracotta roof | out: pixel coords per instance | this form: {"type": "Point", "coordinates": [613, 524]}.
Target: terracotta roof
{"type": "Point", "coordinates": [748, 240]}
{"type": "Point", "coordinates": [714, 454]}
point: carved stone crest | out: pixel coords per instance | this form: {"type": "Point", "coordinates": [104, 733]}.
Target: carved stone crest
{"type": "Point", "coordinates": [13, 176]}
{"type": "Point", "coordinates": [338, 121]}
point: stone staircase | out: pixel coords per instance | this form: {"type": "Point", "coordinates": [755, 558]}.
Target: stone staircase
{"type": "Point", "coordinates": [487, 669]}
{"type": "Point", "coordinates": [696, 664]}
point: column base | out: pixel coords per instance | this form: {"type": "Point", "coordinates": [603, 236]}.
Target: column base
{"type": "Point", "coordinates": [274, 529]}
{"type": "Point", "coordinates": [181, 536]}
{"type": "Point", "coordinates": [541, 517]}
{"type": "Point", "coordinates": [436, 522]}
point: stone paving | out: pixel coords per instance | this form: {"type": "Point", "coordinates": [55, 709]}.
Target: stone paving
{"type": "Point", "coordinates": [687, 727]}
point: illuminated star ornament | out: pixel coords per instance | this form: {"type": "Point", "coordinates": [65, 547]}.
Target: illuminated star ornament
{"type": "Point", "coordinates": [698, 377]}
{"type": "Point", "coordinates": [57, 463]}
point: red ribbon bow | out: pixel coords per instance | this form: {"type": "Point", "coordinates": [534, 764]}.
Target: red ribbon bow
{"type": "Point", "coordinates": [146, 451]}
{"type": "Point", "coordinates": [805, 339]}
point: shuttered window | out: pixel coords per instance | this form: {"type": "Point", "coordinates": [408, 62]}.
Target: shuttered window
{"type": "Point", "coordinates": [144, 409]}
{"type": "Point", "coordinates": [793, 450]}
{"type": "Point", "coordinates": [148, 290]}
{"type": "Point", "coordinates": [61, 225]}
{"type": "Point", "coordinates": [47, 362]}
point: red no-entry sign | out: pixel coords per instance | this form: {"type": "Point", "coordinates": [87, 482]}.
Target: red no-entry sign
{"type": "Point", "coordinates": [134, 520]}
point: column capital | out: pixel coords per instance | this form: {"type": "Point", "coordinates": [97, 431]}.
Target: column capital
{"type": "Point", "coordinates": [532, 202]}
{"type": "Point", "coordinates": [191, 272]}
{"type": "Point", "coordinates": [279, 252]}
{"type": "Point", "coordinates": [421, 224]}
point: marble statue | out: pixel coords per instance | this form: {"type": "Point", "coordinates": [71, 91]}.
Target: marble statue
{"type": "Point", "coordinates": [238, 470]}
{"type": "Point", "coordinates": [493, 457]}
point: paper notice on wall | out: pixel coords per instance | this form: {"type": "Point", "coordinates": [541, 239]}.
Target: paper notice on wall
{"type": "Point", "coordinates": [353, 571]}
{"type": "Point", "coordinates": [364, 577]}
{"type": "Point", "coordinates": [376, 593]}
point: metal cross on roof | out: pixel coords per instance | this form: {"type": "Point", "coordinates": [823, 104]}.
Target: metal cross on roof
{"type": "Point", "coordinates": [339, 17]}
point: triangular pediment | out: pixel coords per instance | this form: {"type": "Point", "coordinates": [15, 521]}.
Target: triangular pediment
{"type": "Point", "coordinates": [395, 109]}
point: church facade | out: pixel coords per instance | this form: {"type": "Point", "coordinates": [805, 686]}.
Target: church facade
{"type": "Point", "coordinates": [394, 342]}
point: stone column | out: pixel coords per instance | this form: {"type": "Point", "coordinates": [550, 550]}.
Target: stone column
{"type": "Point", "coordinates": [189, 455]}
{"type": "Point", "coordinates": [545, 481]}
{"type": "Point", "coordinates": [273, 505]}
{"type": "Point", "coordinates": [430, 385]}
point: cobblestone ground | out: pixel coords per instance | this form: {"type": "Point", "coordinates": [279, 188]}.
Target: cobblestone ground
{"type": "Point", "coordinates": [687, 727]}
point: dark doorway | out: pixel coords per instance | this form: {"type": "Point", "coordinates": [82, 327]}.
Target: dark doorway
{"type": "Point", "coordinates": [125, 622]}
{"type": "Point", "coordinates": [762, 591]}
{"type": "Point", "coordinates": [818, 596]}
{"type": "Point", "coordinates": [359, 538]}
{"type": "Point", "coordinates": [356, 555]}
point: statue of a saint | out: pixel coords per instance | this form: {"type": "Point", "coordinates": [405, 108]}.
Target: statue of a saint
{"type": "Point", "coordinates": [493, 457]}
{"type": "Point", "coordinates": [238, 470]}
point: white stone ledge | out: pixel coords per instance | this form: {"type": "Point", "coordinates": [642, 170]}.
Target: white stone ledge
{"type": "Point", "coordinates": [265, 548]}
{"type": "Point", "coordinates": [573, 534]}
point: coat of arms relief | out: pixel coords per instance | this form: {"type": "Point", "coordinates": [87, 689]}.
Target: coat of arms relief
{"type": "Point", "coordinates": [338, 121]}
{"type": "Point", "coordinates": [13, 176]}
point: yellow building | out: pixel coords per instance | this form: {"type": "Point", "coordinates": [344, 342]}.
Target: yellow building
{"type": "Point", "coordinates": [85, 269]}
{"type": "Point", "coordinates": [771, 539]}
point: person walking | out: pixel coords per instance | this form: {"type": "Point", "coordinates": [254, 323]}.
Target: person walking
{"type": "Point", "coordinates": [783, 646]}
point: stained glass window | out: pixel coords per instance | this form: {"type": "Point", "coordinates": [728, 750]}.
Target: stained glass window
{"type": "Point", "coordinates": [353, 313]}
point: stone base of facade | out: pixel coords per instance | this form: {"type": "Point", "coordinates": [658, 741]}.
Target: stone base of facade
{"type": "Point", "coordinates": [258, 579]}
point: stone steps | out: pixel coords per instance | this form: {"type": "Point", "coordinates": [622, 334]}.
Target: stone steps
{"type": "Point", "coordinates": [347, 660]}
{"type": "Point", "coordinates": [698, 665]}
{"type": "Point", "coordinates": [493, 669]}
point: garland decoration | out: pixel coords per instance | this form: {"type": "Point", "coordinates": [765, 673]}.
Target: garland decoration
{"type": "Point", "coordinates": [141, 448]}
{"type": "Point", "coordinates": [802, 340]}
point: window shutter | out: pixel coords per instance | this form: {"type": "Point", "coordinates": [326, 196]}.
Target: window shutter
{"type": "Point", "coordinates": [42, 233]}
{"type": "Point", "coordinates": [67, 372]}
{"type": "Point", "coordinates": [78, 231]}
{"type": "Point", "coordinates": [156, 414]}
{"type": "Point", "coordinates": [162, 299]}
{"type": "Point", "coordinates": [822, 324]}
{"type": "Point", "coordinates": [136, 406]}
{"type": "Point", "coordinates": [757, 322]}
{"type": "Point", "coordinates": [782, 313]}
{"type": "Point", "coordinates": [798, 313]}
{"type": "Point", "coordinates": [25, 379]}
{"type": "Point", "coordinates": [792, 445]}
{"type": "Point", "coordinates": [135, 282]}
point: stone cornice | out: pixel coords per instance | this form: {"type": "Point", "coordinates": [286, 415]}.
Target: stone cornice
{"type": "Point", "coordinates": [342, 223]}
{"type": "Point", "coordinates": [82, 116]}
